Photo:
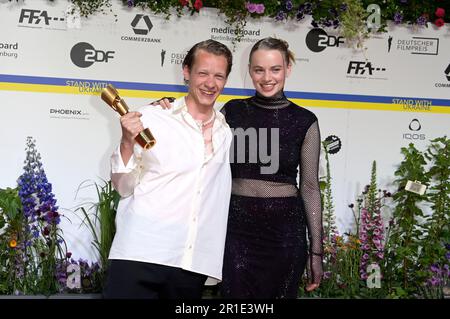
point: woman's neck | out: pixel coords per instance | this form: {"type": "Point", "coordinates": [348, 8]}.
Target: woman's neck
{"type": "Point", "coordinates": [276, 101]}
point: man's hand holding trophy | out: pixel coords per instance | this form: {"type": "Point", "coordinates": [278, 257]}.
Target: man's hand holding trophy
{"type": "Point", "coordinates": [112, 98]}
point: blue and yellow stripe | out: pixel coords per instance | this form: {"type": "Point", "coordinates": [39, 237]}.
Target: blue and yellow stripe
{"type": "Point", "coordinates": [155, 91]}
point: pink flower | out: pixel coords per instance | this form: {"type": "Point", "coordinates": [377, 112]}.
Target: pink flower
{"type": "Point", "coordinates": [260, 8]}
{"type": "Point", "coordinates": [439, 22]}
{"type": "Point", "coordinates": [440, 13]}
{"type": "Point", "coordinates": [251, 7]}
{"type": "Point", "coordinates": [184, 3]}
{"type": "Point", "coordinates": [255, 7]}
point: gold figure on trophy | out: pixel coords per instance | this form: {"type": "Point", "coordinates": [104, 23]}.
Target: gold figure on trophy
{"type": "Point", "coordinates": [112, 98]}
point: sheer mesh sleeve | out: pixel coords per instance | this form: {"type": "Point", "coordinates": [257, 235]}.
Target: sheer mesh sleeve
{"type": "Point", "coordinates": [310, 192]}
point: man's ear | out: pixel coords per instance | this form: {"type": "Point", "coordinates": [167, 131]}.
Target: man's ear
{"type": "Point", "coordinates": [186, 74]}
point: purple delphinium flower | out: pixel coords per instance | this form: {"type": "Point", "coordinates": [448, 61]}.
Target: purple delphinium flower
{"type": "Point", "coordinates": [130, 3]}
{"type": "Point", "coordinates": [398, 18]}
{"type": "Point", "coordinates": [435, 269]}
{"type": "Point", "coordinates": [281, 15]}
{"type": "Point", "coordinates": [299, 15]}
{"type": "Point", "coordinates": [289, 5]}
{"type": "Point", "coordinates": [308, 7]}
{"type": "Point", "coordinates": [336, 23]}
{"type": "Point", "coordinates": [326, 23]}
{"type": "Point", "coordinates": [422, 20]}
{"type": "Point", "coordinates": [433, 281]}
{"type": "Point", "coordinates": [34, 189]}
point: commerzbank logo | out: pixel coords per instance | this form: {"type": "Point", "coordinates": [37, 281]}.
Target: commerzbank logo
{"type": "Point", "coordinates": [141, 28]}
{"type": "Point", "coordinates": [141, 25]}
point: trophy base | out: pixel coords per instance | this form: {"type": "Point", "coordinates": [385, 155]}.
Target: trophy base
{"type": "Point", "coordinates": [145, 139]}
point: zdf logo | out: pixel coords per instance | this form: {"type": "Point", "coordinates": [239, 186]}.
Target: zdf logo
{"type": "Point", "coordinates": [84, 55]}
{"type": "Point", "coordinates": [318, 40]}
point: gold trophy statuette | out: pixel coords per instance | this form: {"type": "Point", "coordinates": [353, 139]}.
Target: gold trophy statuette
{"type": "Point", "coordinates": [112, 98]}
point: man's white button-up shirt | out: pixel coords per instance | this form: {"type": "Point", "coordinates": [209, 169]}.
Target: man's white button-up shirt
{"type": "Point", "coordinates": [175, 196]}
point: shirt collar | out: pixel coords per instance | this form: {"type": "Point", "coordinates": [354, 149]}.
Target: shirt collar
{"type": "Point", "coordinates": [179, 107]}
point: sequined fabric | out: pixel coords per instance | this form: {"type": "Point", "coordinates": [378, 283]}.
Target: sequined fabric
{"type": "Point", "coordinates": [265, 250]}
{"type": "Point", "coordinates": [266, 247]}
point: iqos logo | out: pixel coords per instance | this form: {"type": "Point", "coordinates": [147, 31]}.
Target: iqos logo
{"type": "Point", "coordinates": [414, 126]}
{"type": "Point", "coordinates": [84, 55]}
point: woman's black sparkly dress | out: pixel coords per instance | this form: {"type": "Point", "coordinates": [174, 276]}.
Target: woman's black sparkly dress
{"type": "Point", "coordinates": [271, 215]}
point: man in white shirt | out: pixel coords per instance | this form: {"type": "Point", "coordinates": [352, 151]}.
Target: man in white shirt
{"type": "Point", "coordinates": [171, 221]}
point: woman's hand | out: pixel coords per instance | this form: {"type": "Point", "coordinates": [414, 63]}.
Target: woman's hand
{"type": "Point", "coordinates": [164, 102]}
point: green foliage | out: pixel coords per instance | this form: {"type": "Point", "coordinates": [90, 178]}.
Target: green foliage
{"type": "Point", "coordinates": [329, 220]}
{"type": "Point", "coordinates": [415, 259]}
{"type": "Point", "coordinates": [90, 7]}
{"type": "Point", "coordinates": [406, 231]}
{"type": "Point", "coordinates": [99, 217]}
{"type": "Point", "coordinates": [10, 227]}
{"type": "Point", "coordinates": [353, 21]}
{"type": "Point", "coordinates": [437, 225]}
{"type": "Point", "coordinates": [349, 15]}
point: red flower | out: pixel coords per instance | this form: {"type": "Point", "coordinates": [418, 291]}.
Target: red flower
{"type": "Point", "coordinates": [440, 13]}
{"type": "Point", "coordinates": [439, 22]}
{"type": "Point", "coordinates": [198, 4]}
{"type": "Point", "coordinates": [184, 3]}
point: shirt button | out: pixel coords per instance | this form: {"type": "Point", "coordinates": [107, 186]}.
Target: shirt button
{"type": "Point", "coordinates": [190, 246]}
{"type": "Point", "coordinates": [194, 219]}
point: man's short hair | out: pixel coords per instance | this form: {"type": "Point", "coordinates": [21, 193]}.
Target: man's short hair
{"type": "Point", "coordinates": [210, 46]}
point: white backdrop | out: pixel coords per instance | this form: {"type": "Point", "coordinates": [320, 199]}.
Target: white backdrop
{"type": "Point", "coordinates": [45, 94]}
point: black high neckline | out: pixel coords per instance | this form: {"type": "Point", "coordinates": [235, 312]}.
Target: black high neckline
{"type": "Point", "coordinates": [278, 101]}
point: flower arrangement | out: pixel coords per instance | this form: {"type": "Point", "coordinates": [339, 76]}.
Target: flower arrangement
{"type": "Point", "coordinates": [33, 253]}
{"type": "Point", "coordinates": [34, 241]}
{"type": "Point", "coordinates": [409, 254]}
{"type": "Point", "coordinates": [371, 232]}
{"type": "Point", "coordinates": [348, 16]}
